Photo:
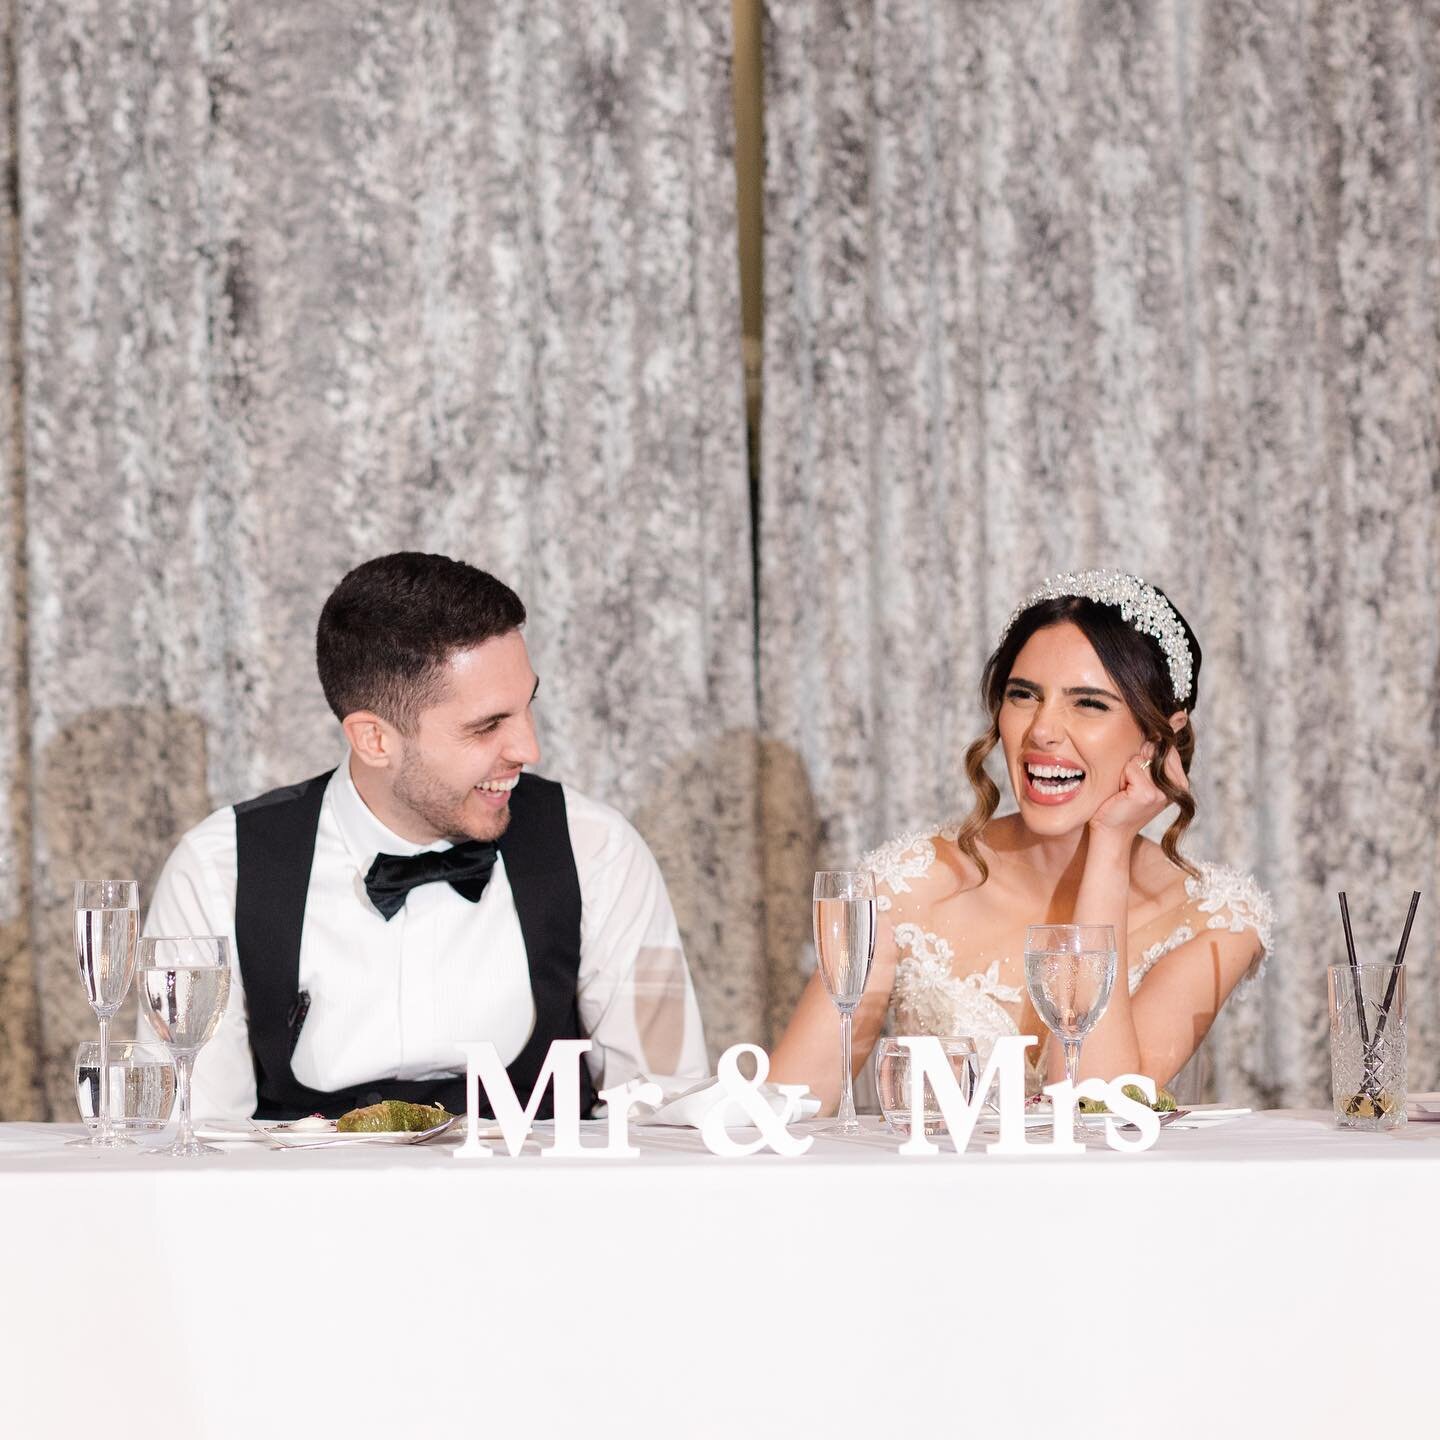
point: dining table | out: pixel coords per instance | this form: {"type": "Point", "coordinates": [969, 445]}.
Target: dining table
{"type": "Point", "coordinates": [1252, 1274]}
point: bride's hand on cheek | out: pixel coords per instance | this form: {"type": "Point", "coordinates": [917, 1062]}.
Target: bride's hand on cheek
{"type": "Point", "coordinates": [1139, 799]}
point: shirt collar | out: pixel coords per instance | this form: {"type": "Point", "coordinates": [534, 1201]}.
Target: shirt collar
{"type": "Point", "coordinates": [364, 833]}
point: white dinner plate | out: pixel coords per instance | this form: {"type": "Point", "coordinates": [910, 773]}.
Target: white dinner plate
{"type": "Point", "coordinates": [1423, 1107]}
{"type": "Point", "coordinates": [292, 1135]}
{"type": "Point", "coordinates": [1038, 1117]}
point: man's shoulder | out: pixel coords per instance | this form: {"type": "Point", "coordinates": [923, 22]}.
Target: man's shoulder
{"type": "Point", "coordinates": [213, 838]}
{"type": "Point", "coordinates": [315, 786]}
{"type": "Point", "coordinates": [206, 846]}
{"type": "Point", "coordinates": [598, 831]}
{"type": "Point", "coordinates": [217, 827]}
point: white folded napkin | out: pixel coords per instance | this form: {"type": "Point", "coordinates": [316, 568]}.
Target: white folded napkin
{"type": "Point", "coordinates": [690, 1107]}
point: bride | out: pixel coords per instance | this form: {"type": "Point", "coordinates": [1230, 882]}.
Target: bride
{"type": "Point", "coordinates": [1090, 694]}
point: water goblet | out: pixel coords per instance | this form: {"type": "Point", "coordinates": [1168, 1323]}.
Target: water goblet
{"type": "Point", "coordinates": [845, 922]}
{"type": "Point", "coordinates": [184, 984]}
{"type": "Point", "coordinates": [142, 1084]}
{"type": "Point", "coordinates": [107, 921]}
{"type": "Point", "coordinates": [1069, 972]}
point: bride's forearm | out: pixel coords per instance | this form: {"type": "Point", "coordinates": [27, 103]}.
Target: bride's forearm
{"type": "Point", "coordinates": [809, 1051]}
{"type": "Point", "coordinates": [1112, 1047]}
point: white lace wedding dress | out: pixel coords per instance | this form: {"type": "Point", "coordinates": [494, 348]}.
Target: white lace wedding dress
{"type": "Point", "coordinates": [928, 998]}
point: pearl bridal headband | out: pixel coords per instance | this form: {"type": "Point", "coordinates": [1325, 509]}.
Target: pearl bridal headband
{"type": "Point", "coordinates": [1140, 605]}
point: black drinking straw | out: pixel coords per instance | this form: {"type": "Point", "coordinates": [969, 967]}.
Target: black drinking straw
{"type": "Point", "coordinates": [1354, 971]}
{"type": "Point", "coordinates": [1395, 973]}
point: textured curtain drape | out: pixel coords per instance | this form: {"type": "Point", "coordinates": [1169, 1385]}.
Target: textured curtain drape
{"type": "Point", "coordinates": [1152, 285]}
{"type": "Point", "coordinates": [286, 286]}
{"type": "Point", "coordinates": [1147, 284]}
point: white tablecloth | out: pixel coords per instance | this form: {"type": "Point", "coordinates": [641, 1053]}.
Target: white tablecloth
{"type": "Point", "coordinates": [1268, 1277]}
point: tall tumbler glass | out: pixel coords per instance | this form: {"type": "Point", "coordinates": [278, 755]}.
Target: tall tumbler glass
{"type": "Point", "coordinates": [142, 1084]}
{"type": "Point", "coordinates": [107, 922]}
{"type": "Point", "coordinates": [845, 924]}
{"type": "Point", "coordinates": [1368, 1046]}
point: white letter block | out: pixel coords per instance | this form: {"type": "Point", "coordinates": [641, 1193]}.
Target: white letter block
{"type": "Point", "coordinates": [622, 1099]}
{"type": "Point", "coordinates": [1063, 1096]}
{"type": "Point", "coordinates": [561, 1068]}
{"type": "Point", "coordinates": [1006, 1066]}
{"type": "Point", "coordinates": [744, 1092]}
{"type": "Point", "coordinates": [1142, 1117]}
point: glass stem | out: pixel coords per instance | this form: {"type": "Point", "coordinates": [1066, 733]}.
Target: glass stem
{"type": "Point", "coordinates": [846, 1112]}
{"type": "Point", "coordinates": [182, 1086]}
{"type": "Point", "coordinates": [103, 1130]}
{"type": "Point", "coordinates": [1072, 1059]}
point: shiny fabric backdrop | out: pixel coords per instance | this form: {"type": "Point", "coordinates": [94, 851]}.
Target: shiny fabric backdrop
{"type": "Point", "coordinates": [1148, 284]}
{"type": "Point", "coordinates": [286, 286]}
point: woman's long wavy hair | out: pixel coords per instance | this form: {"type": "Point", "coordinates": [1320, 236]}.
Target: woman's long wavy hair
{"type": "Point", "coordinates": [1136, 664]}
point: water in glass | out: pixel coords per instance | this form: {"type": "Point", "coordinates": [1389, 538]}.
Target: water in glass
{"type": "Point", "coordinates": [105, 951]}
{"type": "Point", "coordinates": [845, 946]}
{"type": "Point", "coordinates": [107, 921]}
{"type": "Point", "coordinates": [845, 925]}
{"type": "Point", "coordinates": [184, 984]}
{"type": "Point", "coordinates": [185, 1003]}
{"type": "Point", "coordinates": [892, 1081]}
{"type": "Point", "coordinates": [141, 1090]}
{"type": "Point", "coordinates": [1069, 972]}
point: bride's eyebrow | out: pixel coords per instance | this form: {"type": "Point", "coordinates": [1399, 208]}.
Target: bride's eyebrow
{"type": "Point", "coordinates": [1094, 690]}
{"type": "Point", "coordinates": [1025, 684]}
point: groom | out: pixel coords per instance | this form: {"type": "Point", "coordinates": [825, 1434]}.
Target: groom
{"type": "Point", "coordinates": [427, 892]}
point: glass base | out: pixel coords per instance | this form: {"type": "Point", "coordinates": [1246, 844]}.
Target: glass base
{"type": "Point", "coordinates": [113, 1141]}
{"type": "Point", "coordinates": [900, 1125]}
{"type": "Point", "coordinates": [842, 1127]}
{"type": "Point", "coordinates": [184, 1151]}
{"type": "Point", "coordinates": [1373, 1123]}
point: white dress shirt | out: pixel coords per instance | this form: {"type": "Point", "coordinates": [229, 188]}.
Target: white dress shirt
{"type": "Point", "coordinates": [395, 998]}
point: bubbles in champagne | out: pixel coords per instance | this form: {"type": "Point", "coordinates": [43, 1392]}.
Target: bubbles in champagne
{"type": "Point", "coordinates": [105, 951]}
{"type": "Point", "coordinates": [845, 946]}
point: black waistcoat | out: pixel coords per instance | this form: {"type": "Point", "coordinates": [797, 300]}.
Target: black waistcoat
{"type": "Point", "coordinates": [275, 845]}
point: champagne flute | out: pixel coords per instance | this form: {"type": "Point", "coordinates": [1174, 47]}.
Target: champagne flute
{"type": "Point", "coordinates": [184, 983]}
{"type": "Point", "coordinates": [845, 921]}
{"type": "Point", "coordinates": [107, 921]}
{"type": "Point", "coordinates": [1069, 972]}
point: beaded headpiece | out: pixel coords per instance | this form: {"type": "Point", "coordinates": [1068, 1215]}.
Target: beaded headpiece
{"type": "Point", "coordinates": [1139, 604]}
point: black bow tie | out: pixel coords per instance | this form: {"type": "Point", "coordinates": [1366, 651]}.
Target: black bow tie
{"type": "Point", "coordinates": [466, 866]}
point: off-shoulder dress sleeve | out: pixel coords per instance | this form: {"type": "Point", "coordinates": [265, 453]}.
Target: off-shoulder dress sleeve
{"type": "Point", "coordinates": [905, 858]}
{"type": "Point", "coordinates": [1232, 900]}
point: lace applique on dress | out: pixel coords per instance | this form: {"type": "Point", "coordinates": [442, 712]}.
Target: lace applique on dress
{"type": "Point", "coordinates": [928, 999]}
{"type": "Point", "coordinates": [1234, 902]}
{"type": "Point", "coordinates": [907, 857]}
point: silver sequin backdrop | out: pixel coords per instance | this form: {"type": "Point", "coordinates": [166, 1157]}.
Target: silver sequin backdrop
{"type": "Point", "coordinates": [283, 285]}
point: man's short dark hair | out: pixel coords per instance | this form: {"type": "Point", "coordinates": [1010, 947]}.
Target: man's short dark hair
{"type": "Point", "coordinates": [391, 624]}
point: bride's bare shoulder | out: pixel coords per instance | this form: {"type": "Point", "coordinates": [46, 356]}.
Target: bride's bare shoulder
{"type": "Point", "coordinates": [1155, 879]}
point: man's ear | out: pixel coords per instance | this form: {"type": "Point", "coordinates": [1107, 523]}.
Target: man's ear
{"type": "Point", "coordinates": [373, 741]}
{"type": "Point", "coordinates": [1179, 720]}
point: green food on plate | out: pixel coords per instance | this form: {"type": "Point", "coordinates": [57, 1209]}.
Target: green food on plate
{"type": "Point", "coordinates": [391, 1115]}
{"type": "Point", "coordinates": [1164, 1101]}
